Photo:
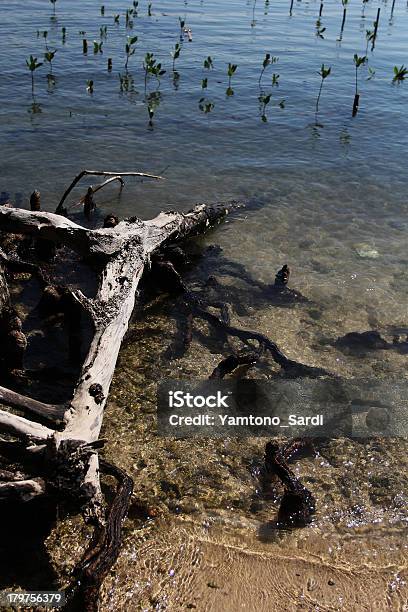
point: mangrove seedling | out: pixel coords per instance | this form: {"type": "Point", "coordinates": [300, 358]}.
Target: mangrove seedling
{"type": "Point", "coordinates": [358, 61]}
{"type": "Point", "coordinates": [267, 62]}
{"type": "Point", "coordinates": [376, 22]}
{"type": "Point", "coordinates": [152, 68]}
{"type": "Point", "coordinates": [182, 24]}
{"type": "Point", "coordinates": [90, 86]}
{"type": "Point", "coordinates": [253, 22]}
{"type": "Point", "coordinates": [53, 2]}
{"type": "Point", "coordinates": [369, 37]}
{"type": "Point", "coordinates": [208, 63]}
{"type": "Point", "coordinates": [116, 18]}
{"type": "Point", "coordinates": [135, 7]}
{"type": "Point", "coordinates": [282, 103]}
{"type": "Point", "coordinates": [129, 21]}
{"type": "Point", "coordinates": [344, 3]}
{"type": "Point", "coordinates": [64, 35]}
{"type": "Point", "coordinates": [49, 56]}
{"type": "Point", "coordinates": [399, 74]}
{"type": "Point", "coordinates": [232, 68]}
{"type": "Point", "coordinates": [103, 31]}
{"type": "Point", "coordinates": [206, 106]}
{"type": "Point", "coordinates": [275, 80]}
{"type": "Point", "coordinates": [130, 49]}
{"type": "Point", "coordinates": [97, 47]}
{"type": "Point", "coordinates": [204, 83]}
{"type": "Point", "coordinates": [264, 100]}
{"type": "Point", "coordinates": [84, 46]}
{"type": "Point", "coordinates": [109, 64]}
{"type": "Point", "coordinates": [323, 73]}
{"type": "Point", "coordinates": [319, 30]}
{"type": "Point", "coordinates": [175, 55]}
{"type": "Point", "coordinates": [149, 9]}
{"type": "Point", "coordinates": [102, 10]}
{"type": "Point", "coordinates": [33, 65]}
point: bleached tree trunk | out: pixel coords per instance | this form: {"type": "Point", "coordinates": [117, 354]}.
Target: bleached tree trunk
{"type": "Point", "coordinates": [125, 250]}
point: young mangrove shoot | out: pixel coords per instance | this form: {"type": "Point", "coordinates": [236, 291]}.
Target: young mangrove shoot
{"type": "Point", "coordinates": [182, 23]}
{"type": "Point", "coordinates": [48, 57]}
{"type": "Point", "coordinates": [264, 101]}
{"type": "Point", "coordinates": [33, 65]}
{"type": "Point", "coordinates": [53, 2]}
{"type": "Point", "coordinates": [369, 38]}
{"type": "Point", "coordinates": [344, 3]}
{"type": "Point", "coordinates": [399, 74]}
{"type": "Point", "coordinates": [175, 55]}
{"type": "Point", "coordinates": [232, 68]}
{"type": "Point", "coordinates": [152, 68]}
{"type": "Point", "coordinates": [319, 30]}
{"type": "Point", "coordinates": [206, 106]}
{"type": "Point", "coordinates": [358, 61]}
{"type": "Point", "coordinates": [323, 73]}
{"type": "Point", "coordinates": [130, 49]}
{"type": "Point", "coordinates": [208, 63]}
{"type": "Point", "coordinates": [268, 61]}
{"type": "Point", "coordinates": [97, 47]}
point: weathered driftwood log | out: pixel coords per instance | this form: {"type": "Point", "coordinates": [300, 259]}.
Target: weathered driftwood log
{"type": "Point", "coordinates": [124, 251]}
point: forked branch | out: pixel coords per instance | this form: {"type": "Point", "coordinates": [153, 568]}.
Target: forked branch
{"type": "Point", "coordinates": [80, 176]}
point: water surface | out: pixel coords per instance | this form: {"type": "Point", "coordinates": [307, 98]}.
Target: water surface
{"type": "Point", "coordinates": [334, 201]}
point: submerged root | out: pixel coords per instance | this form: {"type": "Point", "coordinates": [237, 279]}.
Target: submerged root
{"type": "Point", "coordinates": [297, 504]}
{"type": "Point", "coordinates": [104, 548]}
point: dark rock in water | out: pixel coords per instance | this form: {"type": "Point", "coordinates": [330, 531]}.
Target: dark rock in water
{"type": "Point", "coordinates": [35, 201]}
{"type": "Point", "coordinates": [362, 340]}
{"type": "Point", "coordinates": [282, 277]}
{"type": "Point", "coordinates": [296, 507]}
{"type": "Point", "coordinates": [110, 221]}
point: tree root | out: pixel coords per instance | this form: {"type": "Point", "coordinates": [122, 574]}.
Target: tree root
{"type": "Point", "coordinates": [104, 548]}
{"type": "Point", "coordinates": [297, 504]}
{"type": "Point", "coordinates": [231, 363]}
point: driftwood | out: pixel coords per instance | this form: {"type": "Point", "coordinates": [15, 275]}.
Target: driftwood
{"type": "Point", "coordinates": [122, 252]}
{"type": "Point", "coordinates": [114, 176]}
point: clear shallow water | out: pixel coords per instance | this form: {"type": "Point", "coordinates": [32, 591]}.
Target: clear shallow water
{"type": "Point", "coordinates": [335, 210]}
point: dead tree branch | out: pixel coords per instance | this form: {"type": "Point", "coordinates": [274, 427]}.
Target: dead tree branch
{"type": "Point", "coordinates": [99, 173]}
